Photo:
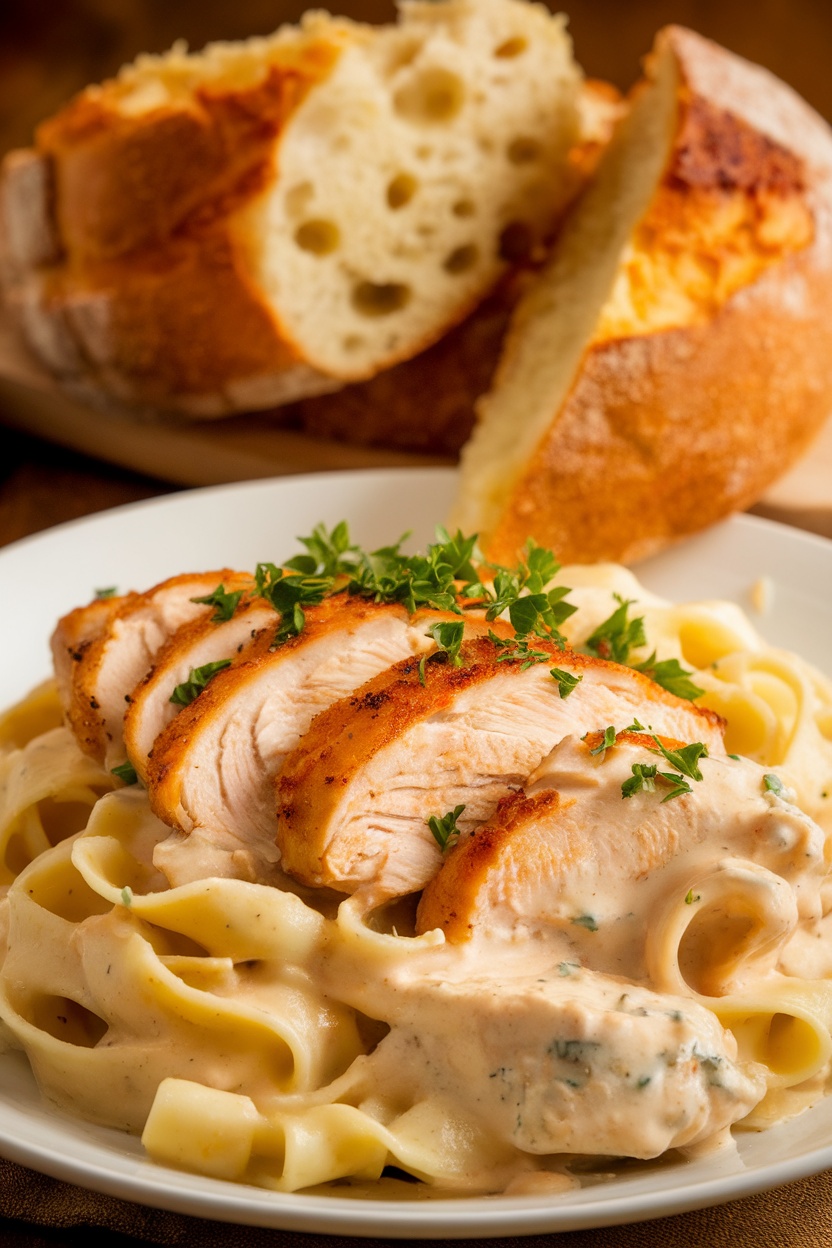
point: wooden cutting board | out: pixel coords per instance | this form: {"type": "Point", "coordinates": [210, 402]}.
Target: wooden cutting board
{"type": "Point", "coordinates": [240, 448]}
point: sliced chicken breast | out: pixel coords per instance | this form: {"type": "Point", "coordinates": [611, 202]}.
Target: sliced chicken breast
{"type": "Point", "coordinates": [205, 640]}
{"type": "Point", "coordinates": [73, 636]}
{"type": "Point", "coordinates": [577, 860]}
{"type": "Point", "coordinates": [121, 651]}
{"type": "Point", "coordinates": [213, 767]}
{"type": "Point", "coordinates": [355, 796]}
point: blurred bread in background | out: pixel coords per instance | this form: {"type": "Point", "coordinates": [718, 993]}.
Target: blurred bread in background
{"type": "Point", "coordinates": [658, 370]}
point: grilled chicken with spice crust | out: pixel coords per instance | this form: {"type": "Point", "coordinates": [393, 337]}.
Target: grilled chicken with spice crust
{"type": "Point", "coordinates": [355, 795]}
{"type": "Point", "coordinates": [212, 768]}
{"type": "Point", "coordinates": [603, 834]}
{"type": "Point", "coordinates": [118, 651]}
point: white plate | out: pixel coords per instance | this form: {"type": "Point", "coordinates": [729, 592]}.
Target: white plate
{"type": "Point", "coordinates": [239, 525]}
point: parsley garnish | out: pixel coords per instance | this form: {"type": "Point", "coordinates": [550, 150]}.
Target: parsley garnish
{"type": "Point", "coordinates": [691, 897]}
{"type": "Point", "coordinates": [617, 636]}
{"type": "Point", "coordinates": [429, 580]}
{"type": "Point", "coordinates": [185, 693]}
{"type": "Point", "coordinates": [684, 761]}
{"type": "Point", "coordinates": [288, 593]}
{"type": "Point", "coordinates": [127, 895]}
{"type": "Point", "coordinates": [125, 772]}
{"type": "Point", "coordinates": [587, 921]}
{"type": "Point", "coordinates": [565, 681]}
{"type": "Point", "coordinates": [444, 829]}
{"type": "Point", "coordinates": [670, 674]}
{"type": "Point", "coordinates": [517, 648]}
{"type": "Point", "coordinates": [521, 591]}
{"type": "Point", "coordinates": [448, 635]}
{"type": "Point", "coordinates": [773, 784]}
{"type": "Point", "coordinates": [642, 779]}
{"type": "Point", "coordinates": [108, 592]}
{"type": "Point", "coordinates": [606, 742]}
{"type": "Point", "coordinates": [329, 554]}
{"type": "Point", "coordinates": [224, 603]}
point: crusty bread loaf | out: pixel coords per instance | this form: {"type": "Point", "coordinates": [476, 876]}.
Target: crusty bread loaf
{"type": "Point", "coordinates": [675, 355]}
{"type": "Point", "coordinates": [265, 220]}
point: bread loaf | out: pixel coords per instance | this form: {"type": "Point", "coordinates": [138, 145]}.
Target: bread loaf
{"type": "Point", "coordinates": [271, 219]}
{"type": "Point", "coordinates": [673, 358]}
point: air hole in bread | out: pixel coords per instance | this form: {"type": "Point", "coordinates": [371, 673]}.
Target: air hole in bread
{"type": "Point", "coordinates": [298, 198]}
{"type": "Point", "coordinates": [464, 208]}
{"type": "Point", "coordinates": [461, 259]}
{"type": "Point", "coordinates": [509, 48]}
{"type": "Point", "coordinates": [379, 298]}
{"type": "Point", "coordinates": [523, 150]}
{"type": "Point", "coordinates": [318, 236]}
{"type": "Point", "coordinates": [435, 96]}
{"type": "Point", "coordinates": [401, 189]}
{"type": "Point", "coordinates": [516, 242]}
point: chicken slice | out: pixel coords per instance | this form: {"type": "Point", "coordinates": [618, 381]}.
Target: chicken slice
{"type": "Point", "coordinates": [355, 796]}
{"type": "Point", "coordinates": [75, 633]}
{"type": "Point", "coordinates": [213, 767]}
{"type": "Point", "coordinates": [204, 640]}
{"type": "Point", "coordinates": [120, 651]}
{"type": "Point", "coordinates": [574, 859]}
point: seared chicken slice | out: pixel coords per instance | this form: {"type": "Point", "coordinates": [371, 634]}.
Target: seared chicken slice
{"type": "Point", "coordinates": [121, 652]}
{"type": "Point", "coordinates": [213, 767]}
{"type": "Point", "coordinates": [249, 630]}
{"type": "Point", "coordinates": [576, 859]}
{"type": "Point", "coordinates": [355, 796]}
{"type": "Point", "coordinates": [75, 633]}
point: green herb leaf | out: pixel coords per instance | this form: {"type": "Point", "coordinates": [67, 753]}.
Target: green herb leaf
{"type": "Point", "coordinates": [684, 760]}
{"type": "Point", "coordinates": [185, 693]}
{"type": "Point", "coordinates": [517, 648]}
{"type": "Point", "coordinates": [691, 897]}
{"type": "Point", "coordinates": [288, 593]}
{"type": "Point", "coordinates": [616, 636]}
{"type": "Point", "coordinates": [444, 829]}
{"type": "Point", "coordinates": [330, 553]}
{"type": "Point", "coordinates": [127, 896]}
{"type": "Point", "coordinates": [449, 635]}
{"type": "Point", "coordinates": [773, 784]}
{"type": "Point", "coordinates": [670, 674]}
{"type": "Point", "coordinates": [607, 742]}
{"type": "Point", "coordinates": [587, 921]}
{"type": "Point", "coordinates": [109, 591]}
{"type": "Point", "coordinates": [643, 779]}
{"type": "Point", "coordinates": [522, 593]}
{"type": "Point", "coordinates": [125, 772]}
{"type": "Point", "coordinates": [565, 681]}
{"type": "Point", "coordinates": [224, 603]}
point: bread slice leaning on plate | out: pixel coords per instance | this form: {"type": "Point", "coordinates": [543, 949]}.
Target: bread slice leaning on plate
{"type": "Point", "coordinates": [675, 355]}
{"type": "Point", "coordinates": [276, 218]}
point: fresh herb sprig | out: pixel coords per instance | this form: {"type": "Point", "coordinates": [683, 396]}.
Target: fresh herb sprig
{"type": "Point", "coordinates": [184, 694]}
{"type": "Point", "coordinates": [444, 829]}
{"type": "Point", "coordinates": [223, 601]}
{"type": "Point", "coordinates": [618, 636]}
{"type": "Point", "coordinates": [685, 764]}
{"type": "Point", "coordinates": [521, 592]}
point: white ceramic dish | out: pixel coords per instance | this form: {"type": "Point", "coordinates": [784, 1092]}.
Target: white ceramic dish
{"type": "Point", "coordinates": [238, 525]}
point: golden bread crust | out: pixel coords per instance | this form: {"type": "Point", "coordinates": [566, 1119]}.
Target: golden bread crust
{"type": "Point", "coordinates": [707, 374]}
